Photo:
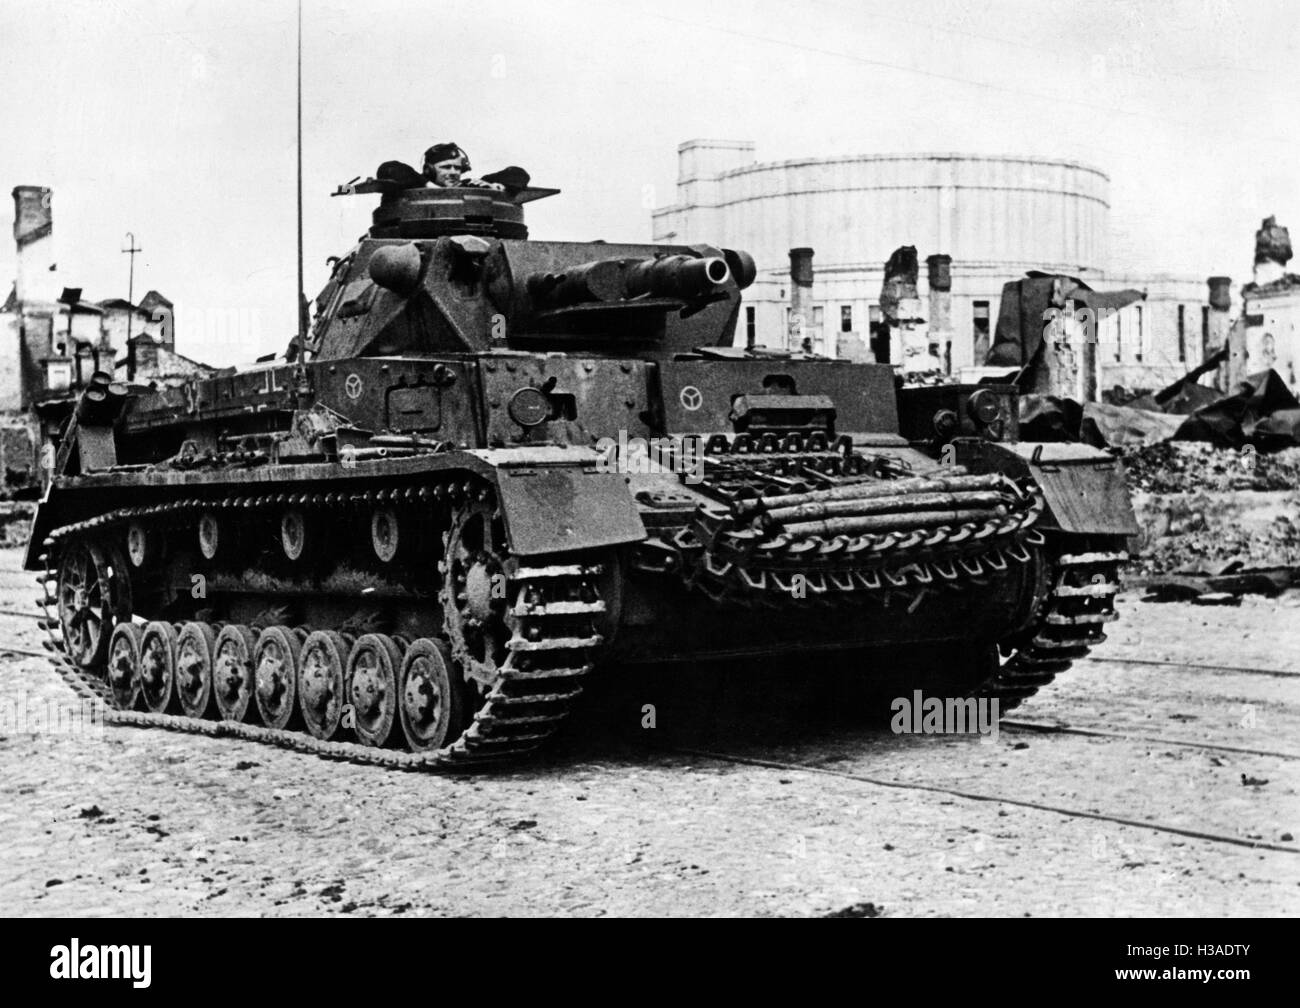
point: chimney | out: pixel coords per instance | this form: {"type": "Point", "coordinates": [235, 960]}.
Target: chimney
{"type": "Point", "coordinates": [1220, 293]}
{"type": "Point", "coordinates": [35, 278]}
{"type": "Point", "coordinates": [1217, 322]}
{"type": "Point", "coordinates": [940, 267]}
{"type": "Point", "coordinates": [801, 296]}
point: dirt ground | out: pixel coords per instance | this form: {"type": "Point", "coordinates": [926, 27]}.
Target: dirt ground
{"type": "Point", "coordinates": [837, 814]}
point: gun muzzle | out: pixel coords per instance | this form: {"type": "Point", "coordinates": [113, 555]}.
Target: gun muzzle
{"type": "Point", "coordinates": [677, 276]}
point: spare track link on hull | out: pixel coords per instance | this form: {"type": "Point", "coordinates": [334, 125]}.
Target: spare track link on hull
{"type": "Point", "coordinates": [1066, 626]}
{"type": "Point", "coordinates": [736, 565]}
{"type": "Point", "coordinates": [519, 711]}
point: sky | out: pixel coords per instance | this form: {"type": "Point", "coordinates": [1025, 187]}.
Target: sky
{"type": "Point", "coordinates": [176, 120]}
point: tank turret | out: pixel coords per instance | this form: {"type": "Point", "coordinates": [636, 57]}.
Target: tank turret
{"type": "Point", "coordinates": [450, 270]}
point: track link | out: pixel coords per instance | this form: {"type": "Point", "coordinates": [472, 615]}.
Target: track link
{"type": "Point", "coordinates": [1067, 625]}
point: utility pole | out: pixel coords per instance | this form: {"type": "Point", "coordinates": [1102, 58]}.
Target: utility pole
{"type": "Point", "coordinates": [298, 302]}
{"type": "Point", "coordinates": [130, 298]}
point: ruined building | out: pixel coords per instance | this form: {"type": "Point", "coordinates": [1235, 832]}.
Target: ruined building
{"type": "Point", "coordinates": [52, 340]}
{"type": "Point", "coordinates": [1271, 307]}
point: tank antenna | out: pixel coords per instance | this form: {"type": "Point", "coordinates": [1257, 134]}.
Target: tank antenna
{"type": "Point", "coordinates": [302, 335]}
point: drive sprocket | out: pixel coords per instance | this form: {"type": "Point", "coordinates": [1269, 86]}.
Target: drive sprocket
{"type": "Point", "coordinates": [1081, 585]}
{"type": "Point", "coordinates": [477, 617]}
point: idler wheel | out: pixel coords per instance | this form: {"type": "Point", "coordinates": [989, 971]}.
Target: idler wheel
{"type": "Point", "coordinates": [385, 534]}
{"type": "Point", "coordinates": [322, 667]}
{"type": "Point", "coordinates": [431, 703]}
{"type": "Point", "coordinates": [373, 666]}
{"type": "Point", "coordinates": [194, 648]}
{"type": "Point", "coordinates": [158, 665]}
{"type": "Point", "coordinates": [209, 535]}
{"type": "Point", "coordinates": [124, 665]}
{"type": "Point", "coordinates": [293, 534]}
{"type": "Point", "coordinates": [94, 595]}
{"type": "Point", "coordinates": [232, 671]}
{"type": "Point", "coordinates": [275, 662]}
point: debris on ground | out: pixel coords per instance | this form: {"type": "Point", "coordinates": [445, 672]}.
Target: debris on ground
{"type": "Point", "coordinates": [1239, 542]}
{"type": "Point", "coordinates": [1217, 598]}
{"type": "Point", "coordinates": [857, 910]}
{"type": "Point", "coordinates": [1225, 589]}
{"type": "Point", "coordinates": [1194, 466]}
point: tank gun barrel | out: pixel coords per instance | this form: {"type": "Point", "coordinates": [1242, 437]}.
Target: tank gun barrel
{"type": "Point", "coordinates": [601, 280]}
{"type": "Point", "coordinates": [677, 276]}
{"type": "Point", "coordinates": [681, 277]}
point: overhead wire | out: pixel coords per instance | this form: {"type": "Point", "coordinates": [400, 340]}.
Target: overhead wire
{"type": "Point", "coordinates": [1201, 127]}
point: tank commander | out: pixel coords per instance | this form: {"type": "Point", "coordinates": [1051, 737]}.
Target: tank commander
{"type": "Point", "coordinates": [445, 165]}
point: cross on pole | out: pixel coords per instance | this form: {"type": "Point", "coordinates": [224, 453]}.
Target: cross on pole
{"type": "Point", "coordinates": [130, 298]}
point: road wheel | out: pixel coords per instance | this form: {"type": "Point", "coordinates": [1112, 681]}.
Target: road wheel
{"type": "Point", "coordinates": [322, 672]}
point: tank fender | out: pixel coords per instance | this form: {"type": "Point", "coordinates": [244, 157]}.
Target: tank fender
{"type": "Point", "coordinates": [556, 500]}
{"type": "Point", "coordinates": [1084, 488]}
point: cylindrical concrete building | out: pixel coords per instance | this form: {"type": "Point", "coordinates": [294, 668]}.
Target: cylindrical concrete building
{"type": "Point", "coordinates": [996, 216]}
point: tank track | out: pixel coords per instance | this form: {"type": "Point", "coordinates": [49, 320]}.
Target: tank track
{"type": "Point", "coordinates": [527, 703]}
{"type": "Point", "coordinates": [727, 557]}
{"type": "Point", "coordinates": [534, 692]}
{"type": "Point", "coordinates": [1066, 625]}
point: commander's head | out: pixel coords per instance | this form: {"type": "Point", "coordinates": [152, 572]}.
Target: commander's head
{"type": "Point", "coordinates": [445, 164]}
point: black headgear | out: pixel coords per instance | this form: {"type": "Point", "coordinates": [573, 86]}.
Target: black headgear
{"type": "Point", "coordinates": [444, 152]}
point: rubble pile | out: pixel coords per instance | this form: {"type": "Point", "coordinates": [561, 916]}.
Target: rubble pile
{"type": "Point", "coordinates": [1198, 535]}
{"type": "Point", "coordinates": [1217, 522]}
{"type": "Point", "coordinates": [15, 520]}
{"type": "Point", "coordinates": [1194, 466]}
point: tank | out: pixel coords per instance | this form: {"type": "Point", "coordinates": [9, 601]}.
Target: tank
{"type": "Point", "coordinates": [498, 467]}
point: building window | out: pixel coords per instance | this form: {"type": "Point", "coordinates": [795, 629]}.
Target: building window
{"type": "Point", "coordinates": [1205, 331]}
{"type": "Point", "coordinates": [980, 331]}
{"type": "Point", "coordinates": [1182, 333]}
{"type": "Point", "coordinates": [750, 328]}
{"type": "Point", "coordinates": [1139, 333]}
{"type": "Point", "coordinates": [1119, 336]}
{"type": "Point", "coordinates": [879, 334]}
{"type": "Point", "coordinates": [813, 335]}
{"type": "Point", "coordinates": [846, 318]}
